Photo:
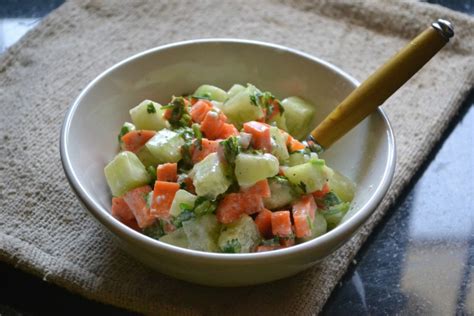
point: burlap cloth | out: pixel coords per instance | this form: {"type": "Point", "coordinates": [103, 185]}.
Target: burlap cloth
{"type": "Point", "coordinates": [44, 230]}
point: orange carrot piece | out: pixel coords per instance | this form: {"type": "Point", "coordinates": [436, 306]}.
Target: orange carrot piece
{"type": "Point", "coordinates": [261, 138]}
{"type": "Point", "coordinates": [264, 223]}
{"type": "Point", "coordinates": [251, 203]}
{"type": "Point", "coordinates": [320, 194]}
{"type": "Point", "coordinates": [163, 196]}
{"type": "Point", "coordinates": [229, 208]}
{"type": "Point", "coordinates": [212, 124]}
{"type": "Point", "coordinates": [134, 140]}
{"type": "Point", "coordinates": [303, 215]}
{"type": "Point", "coordinates": [199, 110]}
{"type": "Point", "coordinates": [260, 188]}
{"type": "Point", "coordinates": [136, 201]}
{"type": "Point", "coordinates": [167, 172]}
{"type": "Point", "coordinates": [228, 130]}
{"type": "Point", "coordinates": [123, 213]}
{"type": "Point", "coordinates": [207, 147]}
{"type": "Point", "coordinates": [281, 224]}
{"type": "Point", "coordinates": [293, 144]}
{"type": "Point", "coordinates": [188, 182]}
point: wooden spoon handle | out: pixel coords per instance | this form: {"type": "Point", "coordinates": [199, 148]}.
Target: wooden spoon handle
{"type": "Point", "coordinates": [366, 98]}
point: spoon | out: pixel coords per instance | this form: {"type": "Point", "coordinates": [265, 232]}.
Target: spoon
{"type": "Point", "coordinates": [379, 86]}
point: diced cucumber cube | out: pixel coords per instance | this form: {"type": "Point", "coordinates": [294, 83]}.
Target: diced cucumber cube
{"type": "Point", "coordinates": [335, 213]}
{"type": "Point", "coordinates": [342, 186]}
{"type": "Point", "coordinates": [279, 148]}
{"type": "Point", "coordinates": [318, 227]}
{"type": "Point", "coordinates": [125, 172]}
{"type": "Point", "coordinates": [310, 176]}
{"type": "Point", "coordinates": [280, 122]}
{"type": "Point", "coordinates": [176, 238]}
{"type": "Point", "coordinates": [209, 177]}
{"type": "Point", "coordinates": [148, 115]}
{"type": "Point", "coordinates": [211, 92]}
{"type": "Point", "coordinates": [299, 115]}
{"type": "Point", "coordinates": [249, 169]}
{"type": "Point", "coordinates": [165, 146]}
{"type": "Point", "coordinates": [240, 236]}
{"type": "Point", "coordinates": [236, 88]}
{"type": "Point", "coordinates": [202, 233]}
{"type": "Point", "coordinates": [281, 193]}
{"type": "Point", "coordinates": [300, 157]}
{"type": "Point", "coordinates": [147, 158]}
{"type": "Point", "coordinates": [182, 197]}
{"type": "Point", "coordinates": [240, 108]}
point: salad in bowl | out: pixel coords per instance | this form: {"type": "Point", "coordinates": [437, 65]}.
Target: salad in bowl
{"type": "Point", "coordinates": [225, 171]}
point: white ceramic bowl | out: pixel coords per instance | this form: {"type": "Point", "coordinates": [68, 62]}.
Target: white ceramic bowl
{"type": "Point", "coordinates": [89, 133]}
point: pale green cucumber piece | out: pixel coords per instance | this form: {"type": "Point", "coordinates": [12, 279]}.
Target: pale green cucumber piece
{"type": "Point", "coordinates": [211, 92]}
{"type": "Point", "coordinates": [299, 115]}
{"type": "Point", "coordinates": [165, 146]}
{"type": "Point", "coordinates": [182, 197]}
{"type": "Point", "coordinates": [250, 168]}
{"type": "Point", "coordinates": [209, 177]}
{"type": "Point", "coordinates": [299, 157]}
{"type": "Point", "coordinates": [280, 122]}
{"type": "Point", "coordinates": [236, 88]}
{"type": "Point", "coordinates": [240, 108]}
{"type": "Point", "coordinates": [202, 233]}
{"type": "Point", "coordinates": [335, 213]}
{"type": "Point", "coordinates": [176, 238]}
{"type": "Point", "coordinates": [147, 158]}
{"type": "Point", "coordinates": [279, 148]}
{"type": "Point", "coordinates": [125, 172]}
{"type": "Point", "coordinates": [310, 176]}
{"type": "Point", "coordinates": [240, 236]}
{"type": "Point", "coordinates": [148, 115]}
{"type": "Point", "coordinates": [342, 186]}
{"type": "Point", "coordinates": [281, 193]}
{"type": "Point", "coordinates": [318, 227]}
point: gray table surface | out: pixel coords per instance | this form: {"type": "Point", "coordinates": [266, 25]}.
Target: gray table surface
{"type": "Point", "coordinates": [419, 260]}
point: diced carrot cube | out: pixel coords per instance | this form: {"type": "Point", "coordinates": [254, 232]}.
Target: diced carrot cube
{"type": "Point", "coordinates": [281, 224]}
{"type": "Point", "coordinates": [260, 188]}
{"type": "Point", "coordinates": [303, 215]}
{"type": "Point", "coordinates": [228, 130]}
{"type": "Point", "coordinates": [136, 201]}
{"type": "Point", "coordinates": [229, 208]}
{"type": "Point", "coordinates": [293, 144]}
{"type": "Point", "coordinates": [212, 124]}
{"type": "Point", "coordinates": [163, 196]}
{"type": "Point", "coordinates": [320, 194]}
{"type": "Point", "coordinates": [251, 203]}
{"type": "Point", "coordinates": [123, 213]}
{"type": "Point", "coordinates": [207, 147]}
{"type": "Point", "coordinates": [199, 110]}
{"type": "Point", "coordinates": [264, 223]}
{"type": "Point", "coordinates": [167, 172]}
{"type": "Point", "coordinates": [134, 140]}
{"type": "Point", "coordinates": [261, 138]}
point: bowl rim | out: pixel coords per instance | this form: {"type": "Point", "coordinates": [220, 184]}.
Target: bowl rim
{"type": "Point", "coordinates": [118, 228]}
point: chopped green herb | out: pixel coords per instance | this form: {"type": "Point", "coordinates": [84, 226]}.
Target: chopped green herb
{"type": "Point", "coordinates": [253, 100]}
{"type": "Point", "coordinates": [126, 128]}
{"type": "Point", "coordinates": [231, 149]}
{"type": "Point", "coordinates": [232, 246]}
{"type": "Point", "coordinates": [150, 108]}
{"type": "Point", "coordinates": [271, 242]}
{"type": "Point", "coordinates": [152, 172]}
{"type": "Point", "coordinates": [183, 217]}
{"type": "Point", "coordinates": [302, 185]}
{"type": "Point", "coordinates": [185, 207]}
{"type": "Point", "coordinates": [148, 199]}
{"type": "Point", "coordinates": [204, 205]}
{"type": "Point", "coordinates": [179, 113]}
{"type": "Point", "coordinates": [331, 199]}
{"type": "Point", "coordinates": [154, 231]}
{"type": "Point", "coordinates": [198, 135]}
